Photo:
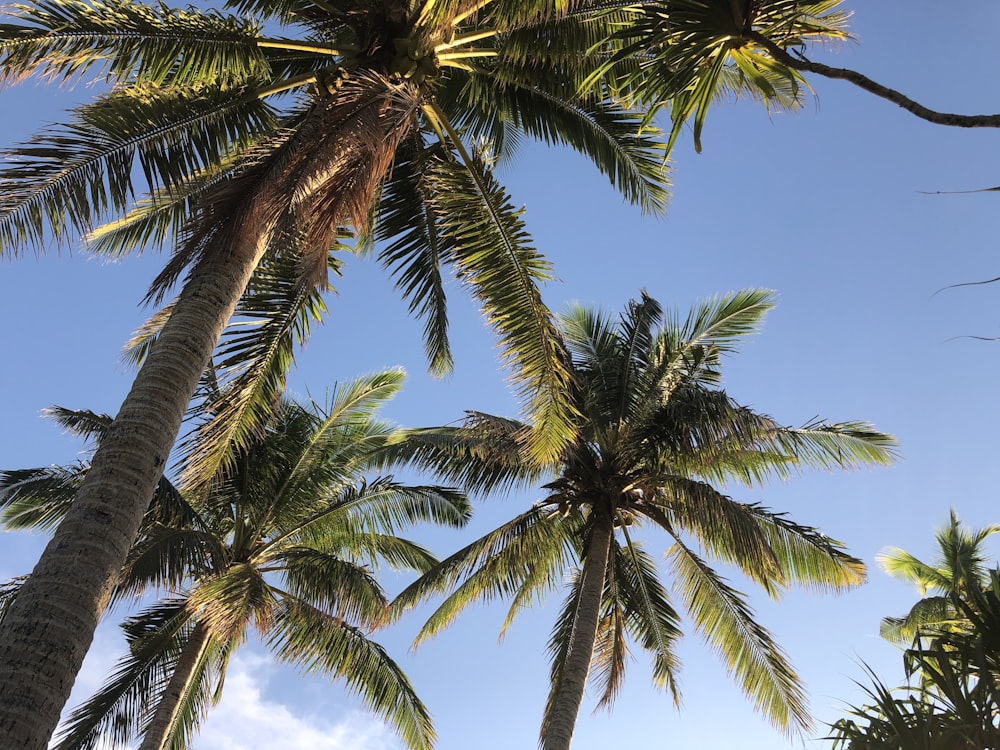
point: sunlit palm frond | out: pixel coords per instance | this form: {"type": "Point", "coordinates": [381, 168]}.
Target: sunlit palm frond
{"type": "Point", "coordinates": [495, 260]}
{"type": "Point", "coordinates": [805, 556]}
{"type": "Point", "coordinates": [726, 529]}
{"type": "Point", "coordinates": [319, 642]}
{"type": "Point", "coordinates": [929, 615]}
{"type": "Point", "coordinates": [416, 251]}
{"type": "Point", "coordinates": [559, 646]}
{"type": "Point", "coordinates": [483, 456]}
{"type": "Point", "coordinates": [332, 584]}
{"type": "Point", "coordinates": [229, 602]}
{"type": "Point", "coordinates": [38, 498]}
{"type": "Point", "coordinates": [8, 591]}
{"type": "Point", "coordinates": [723, 617]}
{"type": "Point", "coordinates": [273, 318]}
{"type": "Point", "coordinates": [68, 174]}
{"type": "Point", "coordinates": [165, 557]}
{"type": "Point", "coordinates": [688, 53]}
{"type": "Point", "coordinates": [841, 445]}
{"type": "Point", "coordinates": [496, 565]}
{"type": "Point", "coordinates": [651, 619]}
{"type": "Point", "coordinates": [626, 150]}
{"type": "Point", "coordinates": [339, 442]}
{"type": "Point", "coordinates": [67, 39]}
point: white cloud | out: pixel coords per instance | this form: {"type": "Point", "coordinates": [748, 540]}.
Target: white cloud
{"type": "Point", "coordinates": [245, 718]}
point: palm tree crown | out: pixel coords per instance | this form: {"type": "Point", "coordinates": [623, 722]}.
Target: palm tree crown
{"type": "Point", "coordinates": [283, 543]}
{"type": "Point", "coordinates": [655, 442]}
{"type": "Point", "coordinates": [959, 569]}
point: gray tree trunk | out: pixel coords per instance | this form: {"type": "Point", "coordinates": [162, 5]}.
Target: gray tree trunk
{"type": "Point", "coordinates": [565, 704]}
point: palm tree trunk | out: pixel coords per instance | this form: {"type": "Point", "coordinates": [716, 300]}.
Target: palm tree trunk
{"type": "Point", "coordinates": [51, 623]}
{"type": "Point", "coordinates": [336, 163]}
{"type": "Point", "coordinates": [164, 720]}
{"type": "Point", "coordinates": [565, 703]}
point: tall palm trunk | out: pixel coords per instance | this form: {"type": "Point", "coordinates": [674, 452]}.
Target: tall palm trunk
{"type": "Point", "coordinates": [564, 705]}
{"type": "Point", "coordinates": [49, 627]}
{"type": "Point", "coordinates": [165, 715]}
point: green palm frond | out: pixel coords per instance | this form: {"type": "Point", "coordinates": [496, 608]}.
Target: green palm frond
{"type": "Point", "coordinates": [949, 585]}
{"type": "Point", "coordinates": [931, 614]}
{"type": "Point", "coordinates": [611, 651]}
{"type": "Point", "coordinates": [317, 642]}
{"type": "Point", "coordinates": [81, 422]}
{"type": "Point", "coordinates": [64, 39]}
{"type": "Point", "coordinates": [691, 52]}
{"type": "Point", "coordinates": [8, 590]}
{"type": "Point", "coordinates": [273, 318]}
{"type": "Point", "coordinates": [231, 601]}
{"type": "Point", "coordinates": [158, 219]}
{"type": "Point", "coordinates": [559, 645]}
{"type": "Point", "coordinates": [38, 498]}
{"type": "Point", "coordinates": [342, 436]}
{"type": "Point", "coordinates": [726, 529]}
{"type": "Point", "coordinates": [331, 583]}
{"type": "Point", "coordinates": [805, 556]}
{"type": "Point", "coordinates": [622, 146]}
{"type": "Point", "coordinates": [500, 564]}
{"type": "Point", "coordinates": [360, 515]}
{"type": "Point", "coordinates": [723, 617]}
{"type": "Point", "coordinates": [483, 456]}
{"type": "Point", "coordinates": [69, 174]}
{"type": "Point", "coordinates": [842, 445]}
{"type": "Point", "coordinates": [165, 557]}
{"type": "Point", "coordinates": [651, 619]}
{"type": "Point", "coordinates": [416, 250]}
{"type": "Point", "coordinates": [494, 259]}
{"type": "Point", "coordinates": [901, 564]}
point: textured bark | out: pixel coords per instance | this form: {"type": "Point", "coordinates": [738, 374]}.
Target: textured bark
{"type": "Point", "coordinates": [165, 717]}
{"type": "Point", "coordinates": [332, 169]}
{"type": "Point", "coordinates": [873, 87]}
{"type": "Point", "coordinates": [50, 625]}
{"type": "Point", "coordinates": [566, 702]}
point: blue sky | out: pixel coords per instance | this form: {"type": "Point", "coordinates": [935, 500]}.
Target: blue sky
{"type": "Point", "coordinates": [822, 205]}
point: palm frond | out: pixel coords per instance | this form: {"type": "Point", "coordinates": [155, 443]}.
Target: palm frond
{"type": "Point", "coordinates": [231, 601]}
{"type": "Point", "coordinates": [333, 584]}
{"type": "Point", "coordinates": [483, 456]}
{"type": "Point", "coordinates": [121, 40]}
{"type": "Point", "coordinates": [58, 182]}
{"type": "Point", "coordinates": [8, 590]}
{"type": "Point", "coordinates": [723, 617]}
{"type": "Point", "coordinates": [651, 619]}
{"type": "Point", "coordinates": [621, 145]}
{"type": "Point", "coordinates": [318, 642]}
{"type": "Point", "coordinates": [494, 259]}
{"type": "Point", "coordinates": [38, 498]}
{"type": "Point", "coordinates": [272, 319]}
{"type": "Point", "coordinates": [499, 564]}
{"type": "Point", "coordinates": [415, 250]}
{"type": "Point", "coordinates": [807, 557]}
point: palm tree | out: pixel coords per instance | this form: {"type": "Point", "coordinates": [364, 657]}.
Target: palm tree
{"type": "Point", "coordinates": [283, 542]}
{"type": "Point", "coordinates": [402, 108]}
{"type": "Point", "coordinates": [959, 569]}
{"type": "Point", "coordinates": [655, 444]}
{"type": "Point", "coordinates": [955, 701]}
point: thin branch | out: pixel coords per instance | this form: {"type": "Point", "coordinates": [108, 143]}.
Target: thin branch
{"type": "Point", "coordinates": [797, 62]}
